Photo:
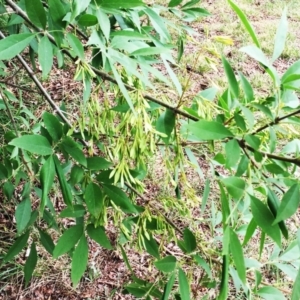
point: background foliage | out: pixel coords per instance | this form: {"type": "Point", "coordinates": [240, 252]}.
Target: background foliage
{"type": "Point", "coordinates": [121, 53]}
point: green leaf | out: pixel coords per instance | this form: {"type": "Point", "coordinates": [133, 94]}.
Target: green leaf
{"type": "Point", "coordinates": [248, 116]}
{"type": "Point", "coordinates": [151, 246]}
{"type": "Point", "coordinates": [235, 186]}
{"type": "Point", "coordinates": [168, 287]}
{"type": "Point", "coordinates": [184, 287]}
{"type": "Point", "coordinates": [98, 235]}
{"type": "Point", "coordinates": [150, 51]}
{"type": "Point", "coordinates": [257, 54]}
{"type": "Point", "coordinates": [14, 44]}
{"type": "Point", "coordinates": [158, 24]}
{"type": "Point", "coordinates": [30, 264]}
{"type": "Point", "coordinates": [238, 256]}
{"type": "Point", "coordinates": [240, 121]}
{"type": "Point", "coordinates": [36, 144]}
{"type": "Point", "coordinates": [273, 204]}
{"type": "Point", "coordinates": [264, 219]}
{"type": "Point", "coordinates": [281, 35]}
{"type": "Point", "coordinates": [73, 149]}
{"type": "Point", "coordinates": [50, 220]}
{"type": "Point", "coordinates": [57, 12]}
{"type": "Point", "coordinates": [121, 85]}
{"type": "Point", "coordinates": [245, 22]}
{"type": "Point", "coordinates": [121, 3]}
{"type": "Point", "coordinates": [172, 74]}
{"type": "Point", "coordinates": [136, 289]}
{"type": "Point", "coordinates": [165, 124]}
{"type": "Point", "coordinates": [87, 20]}
{"type": "Point", "coordinates": [243, 166]}
{"type": "Point", "coordinates": [97, 163]}
{"type": "Point", "coordinates": [76, 45]}
{"type": "Point", "coordinates": [94, 199]}
{"type": "Point", "coordinates": [173, 3]}
{"type": "Point", "coordinates": [119, 198]}
{"type": "Point", "coordinates": [265, 109]}
{"type": "Point", "coordinates": [207, 130]}
{"type": "Point", "coordinates": [77, 175]}
{"type": "Point", "coordinates": [247, 88]}
{"type": "Point", "coordinates": [233, 84]}
{"type": "Point", "coordinates": [76, 211]}
{"type": "Point", "coordinates": [45, 53]}
{"type": "Point", "coordinates": [233, 152]}
{"type": "Point", "coordinates": [68, 240]}
{"type": "Point", "coordinates": [53, 126]}
{"type": "Point", "coordinates": [189, 240]}
{"type": "Point", "coordinates": [23, 213]}
{"type": "Point", "coordinates": [78, 6]}
{"type": "Point", "coordinates": [274, 169]}
{"type": "Point", "coordinates": [180, 49]}
{"type": "Point", "coordinates": [8, 190]}
{"type": "Point", "coordinates": [167, 264]}
{"type": "Point", "coordinates": [253, 141]}
{"type": "Point", "coordinates": [270, 293]}
{"type": "Point", "coordinates": [289, 204]}
{"type": "Point", "coordinates": [79, 260]}
{"type": "Point", "coordinates": [46, 241]}
{"type": "Point", "coordinates": [250, 231]}
{"type": "Point", "coordinates": [47, 178]}
{"type": "Point", "coordinates": [293, 70]}
{"type": "Point", "coordinates": [205, 195]}
{"type": "Point", "coordinates": [203, 264]}
{"type": "Point", "coordinates": [190, 4]}
{"type": "Point", "coordinates": [296, 288]}
{"type": "Point", "coordinates": [104, 23]}
{"type": "Point", "coordinates": [224, 204]}
{"type": "Point", "coordinates": [196, 12]}
{"type": "Point", "coordinates": [65, 188]}
{"type": "Point", "coordinates": [17, 246]}
{"type": "Point", "coordinates": [225, 239]}
{"type": "Point", "coordinates": [36, 13]}
{"type": "Point", "coordinates": [224, 282]}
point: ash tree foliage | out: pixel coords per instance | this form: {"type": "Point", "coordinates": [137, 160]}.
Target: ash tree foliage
{"type": "Point", "coordinates": [99, 162]}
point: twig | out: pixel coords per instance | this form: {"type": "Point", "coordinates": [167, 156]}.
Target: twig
{"type": "Point", "coordinates": [18, 87]}
{"type": "Point", "coordinates": [153, 207]}
{"type": "Point", "coordinates": [276, 121]}
{"type": "Point", "coordinates": [295, 161]}
{"type": "Point", "coordinates": [257, 167]}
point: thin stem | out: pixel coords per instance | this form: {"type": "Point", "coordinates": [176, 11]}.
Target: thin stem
{"type": "Point", "coordinates": [276, 121]}
{"type": "Point", "coordinates": [295, 161]}
{"type": "Point", "coordinates": [186, 85]}
{"type": "Point", "coordinates": [257, 167]}
{"type": "Point", "coordinates": [153, 207]}
{"type": "Point", "coordinates": [12, 119]}
{"type": "Point", "coordinates": [18, 87]}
